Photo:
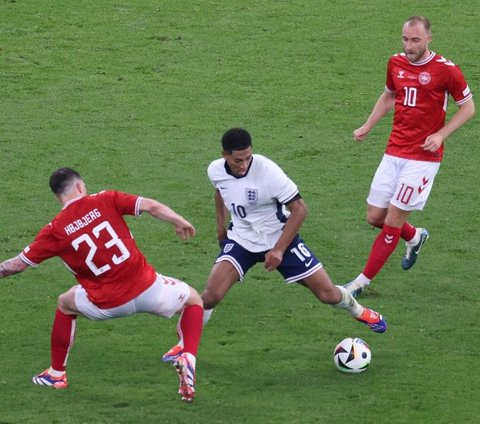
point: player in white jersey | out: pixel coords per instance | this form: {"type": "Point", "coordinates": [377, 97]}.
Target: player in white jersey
{"type": "Point", "coordinates": [255, 201]}
{"type": "Point", "coordinates": [266, 213]}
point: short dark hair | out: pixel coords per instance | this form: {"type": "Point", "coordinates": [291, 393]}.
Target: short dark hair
{"type": "Point", "coordinates": [422, 20]}
{"type": "Point", "coordinates": [61, 178]}
{"type": "Point", "coordinates": [236, 139]}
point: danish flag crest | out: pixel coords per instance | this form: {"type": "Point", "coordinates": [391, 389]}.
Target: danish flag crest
{"type": "Point", "coordinates": [424, 78]}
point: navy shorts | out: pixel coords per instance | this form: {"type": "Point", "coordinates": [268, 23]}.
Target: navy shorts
{"type": "Point", "coordinates": [298, 260]}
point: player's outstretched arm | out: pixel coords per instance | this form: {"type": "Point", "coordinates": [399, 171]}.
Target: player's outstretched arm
{"type": "Point", "coordinates": [384, 104]}
{"type": "Point", "coordinates": [183, 228]}
{"type": "Point", "coordinates": [12, 266]}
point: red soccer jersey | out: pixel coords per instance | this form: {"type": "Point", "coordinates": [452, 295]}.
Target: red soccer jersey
{"type": "Point", "coordinates": [92, 238]}
{"type": "Point", "coordinates": [421, 96]}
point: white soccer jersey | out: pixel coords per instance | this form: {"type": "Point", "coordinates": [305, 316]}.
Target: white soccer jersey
{"type": "Point", "coordinates": [255, 201]}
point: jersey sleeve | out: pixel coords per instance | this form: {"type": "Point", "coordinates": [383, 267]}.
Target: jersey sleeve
{"type": "Point", "coordinates": [216, 171]}
{"type": "Point", "coordinates": [126, 204]}
{"type": "Point", "coordinates": [389, 85]}
{"type": "Point", "coordinates": [43, 247]}
{"type": "Point", "coordinates": [458, 87]}
{"type": "Point", "coordinates": [281, 187]}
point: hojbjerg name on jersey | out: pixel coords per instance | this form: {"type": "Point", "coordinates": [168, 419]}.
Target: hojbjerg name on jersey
{"type": "Point", "coordinates": [82, 222]}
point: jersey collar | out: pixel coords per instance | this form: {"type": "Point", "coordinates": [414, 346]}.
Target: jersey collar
{"type": "Point", "coordinates": [424, 61]}
{"type": "Point", "coordinates": [229, 171]}
{"type": "Point", "coordinates": [71, 201]}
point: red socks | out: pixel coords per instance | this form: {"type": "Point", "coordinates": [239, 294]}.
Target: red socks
{"type": "Point", "coordinates": [190, 328]}
{"type": "Point", "coordinates": [382, 248]}
{"type": "Point", "coordinates": [63, 335]}
{"type": "Point", "coordinates": [408, 232]}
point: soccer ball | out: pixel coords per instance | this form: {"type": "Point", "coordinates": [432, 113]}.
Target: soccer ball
{"type": "Point", "coordinates": [352, 355]}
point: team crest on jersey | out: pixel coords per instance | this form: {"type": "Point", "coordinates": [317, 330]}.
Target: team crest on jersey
{"type": "Point", "coordinates": [424, 78]}
{"type": "Point", "coordinates": [251, 194]}
{"type": "Point", "coordinates": [228, 247]}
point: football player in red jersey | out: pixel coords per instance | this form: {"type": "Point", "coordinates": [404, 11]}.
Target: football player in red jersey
{"type": "Point", "coordinates": [418, 86]}
{"type": "Point", "coordinates": [114, 279]}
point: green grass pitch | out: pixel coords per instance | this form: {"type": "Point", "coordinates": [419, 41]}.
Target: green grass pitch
{"type": "Point", "coordinates": [135, 95]}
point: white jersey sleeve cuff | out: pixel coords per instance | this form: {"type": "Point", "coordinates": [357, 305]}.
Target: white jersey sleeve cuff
{"type": "Point", "coordinates": [27, 261]}
{"type": "Point", "coordinates": [138, 212]}
{"type": "Point", "coordinates": [464, 100]}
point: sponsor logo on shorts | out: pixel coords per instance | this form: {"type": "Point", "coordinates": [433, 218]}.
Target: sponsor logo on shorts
{"type": "Point", "coordinates": [168, 281]}
{"type": "Point", "coordinates": [425, 181]}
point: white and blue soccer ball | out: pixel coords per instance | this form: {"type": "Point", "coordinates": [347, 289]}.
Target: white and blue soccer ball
{"type": "Point", "coordinates": [352, 355]}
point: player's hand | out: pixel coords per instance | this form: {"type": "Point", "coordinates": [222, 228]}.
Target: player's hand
{"type": "Point", "coordinates": [273, 258]}
{"type": "Point", "coordinates": [360, 133]}
{"type": "Point", "coordinates": [185, 230]}
{"type": "Point", "coordinates": [432, 142]}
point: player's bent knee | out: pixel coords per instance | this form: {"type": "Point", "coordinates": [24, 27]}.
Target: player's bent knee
{"type": "Point", "coordinates": [329, 297]}
{"type": "Point", "coordinates": [325, 292]}
{"type": "Point", "coordinates": [66, 302]}
{"type": "Point", "coordinates": [376, 216]}
{"type": "Point", "coordinates": [194, 298]}
{"type": "Point", "coordinates": [210, 299]}
{"type": "Point", "coordinates": [375, 221]}
{"type": "Point", "coordinates": [63, 301]}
